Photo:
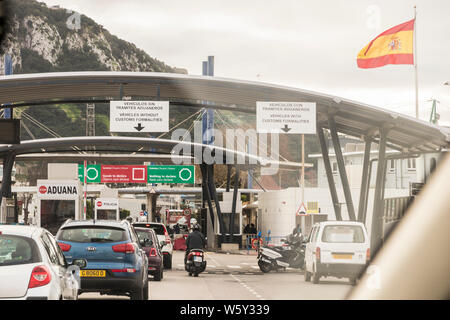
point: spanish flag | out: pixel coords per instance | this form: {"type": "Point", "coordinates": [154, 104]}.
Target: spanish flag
{"type": "Point", "coordinates": [394, 46]}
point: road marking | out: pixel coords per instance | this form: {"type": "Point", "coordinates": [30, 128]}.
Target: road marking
{"type": "Point", "coordinates": [234, 267]}
{"type": "Point", "coordinates": [251, 290]}
{"type": "Point", "coordinates": [255, 267]}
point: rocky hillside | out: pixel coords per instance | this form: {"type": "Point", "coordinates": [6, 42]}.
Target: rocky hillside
{"type": "Point", "coordinates": [43, 39]}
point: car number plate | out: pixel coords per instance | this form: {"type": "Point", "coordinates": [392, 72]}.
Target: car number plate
{"type": "Point", "coordinates": [199, 259]}
{"type": "Point", "coordinates": [343, 256]}
{"type": "Point", "coordinates": [93, 273]}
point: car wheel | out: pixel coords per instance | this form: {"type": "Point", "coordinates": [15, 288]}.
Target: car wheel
{"type": "Point", "coordinates": [190, 274]}
{"type": "Point", "coordinates": [145, 291]}
{"type": "Point", "coordinates": [315, 276]}
{"type": "Point", "coordinates": [158, 276]}
{"type": "Point", "coordinates": [307, 276]}
{"type": "Point", "coordinates": [168, 261]}
{"type": "Point", "coordinates": [196, 274]}
{"type": "Point", "coordinates": [138, 294]}
{"type": "Point", "coordinates": [264, 267]}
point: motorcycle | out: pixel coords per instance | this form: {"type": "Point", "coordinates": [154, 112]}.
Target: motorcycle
{"type": "Point", "coordinates": [291, 255]}
{"type": "Point", "coordinates": [195, 262]}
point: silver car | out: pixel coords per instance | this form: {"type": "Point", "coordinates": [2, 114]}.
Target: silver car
{"type": "Point", "coordinates": [32, 266]}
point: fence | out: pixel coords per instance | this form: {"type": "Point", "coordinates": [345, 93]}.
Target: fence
{"type": "Point", "coordinates": [395, 208]}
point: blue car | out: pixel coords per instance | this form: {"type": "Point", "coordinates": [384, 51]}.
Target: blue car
{"type": "Point", "coordinates": [116, 263]}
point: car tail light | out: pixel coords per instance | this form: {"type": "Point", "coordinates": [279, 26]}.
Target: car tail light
{"type": "Point", "coordinates": [124, 248]}
{"type": "Point", "coordinates": [318, 254]}
{"type": "Point", "coordinates": [168, 241]}
{"type": "Point", "coordinates": [40, 276]}
{"type": "Point", "coordinates": [153, 252]}
{"type": "Point", "coordinates": [124, 270]}
{"type": "Point", "coordinates": [64, 246]}
{"type": "Point", "coordinates": [368, 255]}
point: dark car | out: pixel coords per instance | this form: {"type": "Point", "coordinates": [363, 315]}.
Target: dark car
{"type": "Point", "coordinates": [116, 263]}
{"type": "Point", "coordinates": [152, 248]}
{"type": "Point", "coordinates": [163, 236]}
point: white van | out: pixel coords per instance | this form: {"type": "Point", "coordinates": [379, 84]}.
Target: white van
{"type": "Point", "coordinates": [336, 248]}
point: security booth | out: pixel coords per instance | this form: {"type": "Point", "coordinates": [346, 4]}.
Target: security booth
{"type": "Point", "coordinates": [107, 209]}
{"type": "Point", "coordinates": [58, 200]}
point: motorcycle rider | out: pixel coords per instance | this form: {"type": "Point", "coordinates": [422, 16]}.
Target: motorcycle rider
{"type": "Point", "coordinates": [195, 240]}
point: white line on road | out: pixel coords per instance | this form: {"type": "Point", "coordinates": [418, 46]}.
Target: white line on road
{"type": "Point", "coordinates": [251, 290]}
{"type": "Point", "coordinates": [234, 267]}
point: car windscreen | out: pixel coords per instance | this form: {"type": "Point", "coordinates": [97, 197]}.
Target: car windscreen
{"type": "Point", "coordinates": [16, 250]}
{"type": "Point", "coordinates": [343, 234]}
{"type": "Point", "coordinates": [87, 234]}
{"type": "Point", "coordinates": [160, 230]}
{"type": "Point", "coordinates": [143, 234]}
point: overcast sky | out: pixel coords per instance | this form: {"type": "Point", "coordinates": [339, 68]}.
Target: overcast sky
{"type": "Point", "coordinates": [305, 44]}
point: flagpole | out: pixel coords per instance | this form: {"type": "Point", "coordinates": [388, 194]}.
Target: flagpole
{"type": "Point", "coordinates": [415, 63]}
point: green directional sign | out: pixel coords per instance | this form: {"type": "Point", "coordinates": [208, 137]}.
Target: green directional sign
{"type": "Point", "coordinates": [93, 173]}
{"type": "Point", "coordinates": [171, 174]}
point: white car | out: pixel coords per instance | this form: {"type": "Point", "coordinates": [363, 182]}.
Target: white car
{"type": "Point", "coordinates": [32, 266]}
{"type": "Point", "coordinates": [163, 237]}
{"type": "Point", "coordinates": [336, 248]}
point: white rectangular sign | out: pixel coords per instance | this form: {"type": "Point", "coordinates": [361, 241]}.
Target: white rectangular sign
{"type": "Point", "coordinates": [286, 117]}
{"type": "Point", "coordinates": [139, 116]}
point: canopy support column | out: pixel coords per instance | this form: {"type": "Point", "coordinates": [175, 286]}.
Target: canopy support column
{"type": "Point", "coordinates": [206, 194]}
{"type": "Point", "coordinates": [365, 181]}
{"type": "Point", "coordinates": [378, 204]}
{"type": "Point", "coordinates": [8, 163]}
{"type": "Point", "coordinates": [341, 166]}
{"type": "Point", "coordinates": [213, 193]}
{"type": "Point", "coordinates": [326, 162]}
{"type": "Point", "coordinates": [233, 206]}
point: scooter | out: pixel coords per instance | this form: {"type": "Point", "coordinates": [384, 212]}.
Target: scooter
{"type": "Point", "coordinates": [282, 257]}
{"type": "Point", "coordinates": [195, 262]}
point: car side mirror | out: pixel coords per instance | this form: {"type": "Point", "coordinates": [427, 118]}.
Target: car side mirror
{"type": "Point", "coordinates": [162, 243]}
{"type": "Point", "coordinates": [80, 263]}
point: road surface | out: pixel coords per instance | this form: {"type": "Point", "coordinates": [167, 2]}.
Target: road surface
{"type": "Point", "coordinates": [236, 277]}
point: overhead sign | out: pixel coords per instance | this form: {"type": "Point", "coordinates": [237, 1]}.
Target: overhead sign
{"type": "Point", "coordinates": [171, 174]}
{"type": "Point", "coordinates": [137, 174]}
{"type": "Point", "coordinates": [139, 116]}
{"type": "Point", "coordinates": [124, 174]}
{"type": "Point", "coordinates": [286, 117]}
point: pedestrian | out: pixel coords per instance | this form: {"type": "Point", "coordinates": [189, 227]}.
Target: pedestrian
{"type": "Point", "coordinates": [253, 229]}
{"type": "Point", "coordinates": [247, 229]}
{"type": "Point", "coordinates": [176, 228]}
{"type": "Point", "coordinates": [195, 240]}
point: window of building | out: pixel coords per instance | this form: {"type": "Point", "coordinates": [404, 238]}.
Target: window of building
{"type": "Point", "coordinates": [391, 166]}
{"type": "Point", "coordinates": [334, 167]}
{"type": "Point", "coordinates": [411, 165]}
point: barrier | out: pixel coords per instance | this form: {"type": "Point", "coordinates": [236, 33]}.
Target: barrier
{"type": "Point", "coordinates": [252, 242]}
